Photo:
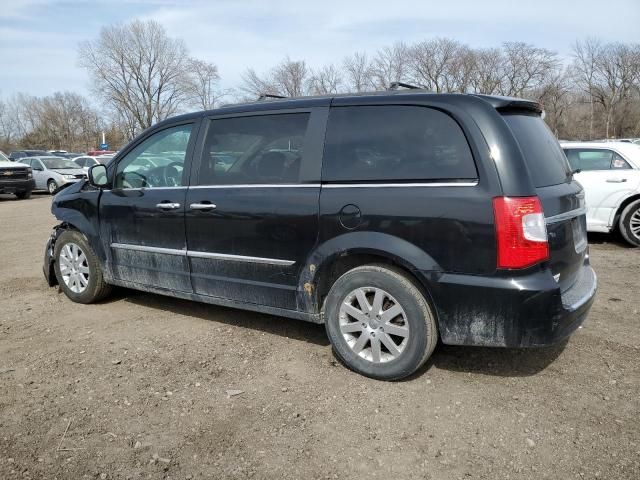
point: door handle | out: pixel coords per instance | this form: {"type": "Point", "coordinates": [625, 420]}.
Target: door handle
{"type": "Point", "coordinates": [616, 180]}
{"type": "Point", "coordinates": [168, 206]}
{"type": "Point", "coordinates": [202, 206]}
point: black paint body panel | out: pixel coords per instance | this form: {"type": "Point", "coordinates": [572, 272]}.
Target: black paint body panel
{"type": "Point", "coordinates": [443, 236]}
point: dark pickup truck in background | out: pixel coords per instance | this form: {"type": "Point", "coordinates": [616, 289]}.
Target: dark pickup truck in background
{"type": "Point", "coordinates": [16, 178]}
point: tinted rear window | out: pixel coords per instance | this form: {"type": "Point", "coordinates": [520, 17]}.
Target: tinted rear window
{"type": "Point", "coordinates": [546, 161]}
{"type": "Point", "coordinates": [395, 143]}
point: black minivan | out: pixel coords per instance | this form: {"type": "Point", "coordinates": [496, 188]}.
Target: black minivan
{"type": "Point", "coordinates": [394, 218]}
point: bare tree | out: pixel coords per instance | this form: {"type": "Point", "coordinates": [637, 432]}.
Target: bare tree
{"type": "Point", "coordinates": [526, 67]}
{"type": "Point", "coordinates": [487, 71]}
{"type": "Point", "coordinates": [201, 84]}
{"type": "Point", "coordinates": [390, 64]}
{"type": "Point", "coordinates": [434, 64]}
{"type": "Point", "coordinates": [555, 97]}
{"type": "Point", "coordinates": [609, 75]}
{"type": "Point", "coordinates": [325, 81]}
{"type": "Point", "coordinates": [583, 70]}
{"type": "Point", "coordinates": [357, 72]}
{"type": "Point", "coordinates": [62, 120]}
{"type": "Point", "coordinates": [253, 85]}
{"type": "Point", "coordinates": [138, 70]}
{"type": "Point", "coordinates": [615, 73]}
{"type": "Point", "coordinates": [290, 78]}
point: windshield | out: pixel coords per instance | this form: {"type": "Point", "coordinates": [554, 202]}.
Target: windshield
{"type": "Point", "coordinates": [58, 163]}
{"type": "Point", "coordinates": [3, 157]}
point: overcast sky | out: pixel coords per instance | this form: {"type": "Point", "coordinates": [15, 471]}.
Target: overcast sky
{"type": "Point", "coordinates": [39, 38]}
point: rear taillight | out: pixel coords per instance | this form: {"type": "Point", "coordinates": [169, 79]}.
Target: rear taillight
{"type": "Point", "coordinates": [521, 232]}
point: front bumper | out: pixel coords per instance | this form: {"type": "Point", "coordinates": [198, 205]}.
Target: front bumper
{"type": "Point", "coordinates": [48, 265]}
{"type": "Point", "coordinates": [14, 186]}
{"type": "Point", "coordinates": [527, 311]}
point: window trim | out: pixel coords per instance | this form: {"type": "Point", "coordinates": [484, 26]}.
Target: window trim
{"type": "Point", "coordinates": [115, 163]}
{"type": "Point", "coordinates": [467, 181]}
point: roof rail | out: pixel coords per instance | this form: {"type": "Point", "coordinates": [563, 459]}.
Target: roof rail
{"type": "Point", "coordinates": [264, 96]}
{"type": "Point", "coordinates": [397, 85]}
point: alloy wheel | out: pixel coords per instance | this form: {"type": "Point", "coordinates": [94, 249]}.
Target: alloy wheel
{"type": "Point", "coordinates": [634, 224]}
{"type": "Point", "coordinates": [374, 324]}
{"type": "Point", "coordinates": [74, 268]}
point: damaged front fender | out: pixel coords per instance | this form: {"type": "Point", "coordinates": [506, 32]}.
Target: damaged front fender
{"type": "Point", "coordinates": [48, 264]}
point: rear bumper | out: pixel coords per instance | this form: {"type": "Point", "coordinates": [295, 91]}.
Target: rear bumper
{"type": "Point", "coordinates": [526, 311]}
{"type": "Point", "coordinates": [13, 186]}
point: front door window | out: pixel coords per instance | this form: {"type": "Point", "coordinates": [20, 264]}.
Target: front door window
{"type": "Point", "coordinates": [156, 162]}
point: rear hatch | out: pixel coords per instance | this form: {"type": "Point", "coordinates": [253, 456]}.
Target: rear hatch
{"type": "Point", "coordinates": [562, 197]}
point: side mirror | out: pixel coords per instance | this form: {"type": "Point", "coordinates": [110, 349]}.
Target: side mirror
{"type": "Point", "coordinates": [37, 169]}
{"type": "Point", "coordinates": [98, 176]}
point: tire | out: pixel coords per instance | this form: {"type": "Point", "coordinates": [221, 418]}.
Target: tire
{"type": "Point", "coordinates": [91, 287]}
{"type": "Point", "coordinates": [52, 186]}
{"type": "Point", "coordinates": [414, 323]}
{"type": "Point", "coordinates": [24, 195]}
{"type": "Point", "coordinates": [629, 224]}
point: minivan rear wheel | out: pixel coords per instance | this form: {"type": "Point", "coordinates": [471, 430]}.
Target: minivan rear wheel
{"type": "Point", "coordinates": [78, 269]}
{"type": "Point", "coordinates": [379, 323]}
{"type": "Point", "coordinates": [630, 223]}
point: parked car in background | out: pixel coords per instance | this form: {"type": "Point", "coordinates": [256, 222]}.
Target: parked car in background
{"type": "Point", "coordinates": [95, 153]}
{"type": "Point", "coordinates": [57, 153]}
{"type": "Point", "coordinates": [17, 154]}
{"type": "Point", "coordinates": [106, 158]}
{"type": "Point", "coordinates": [85, 161]}
{"type": "Point", "coordinates": [396, 219]}
{"type": "Point", "coordinates": [3, 157]}
{"type": "Point", "coordinates": [610, 175]}
{"type": "Point", "coordinates": [50, 173]}
{"type": "Point", "coordinates": [16, 178]}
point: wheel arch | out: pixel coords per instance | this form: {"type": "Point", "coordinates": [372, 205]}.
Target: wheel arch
{"type": "Point", "coordinates": [616, 218]}
{"type": "Point", "coordinates": [340, 254]}
{"type": "Point", "coordinates": [73, 218]}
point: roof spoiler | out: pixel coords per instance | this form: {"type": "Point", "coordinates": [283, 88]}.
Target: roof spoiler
{"type": "Point", "coordinates": [522, 105]}
{"type": "Point", "coordinates": [503, 104]}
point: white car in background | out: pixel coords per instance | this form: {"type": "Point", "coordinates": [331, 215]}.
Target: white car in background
{"type": "Point", "coordinates": [610, 175]}
{"type": "Point", "coordinates": [85, 162]}
{"type": "Point", "coordinates": [105, 159]}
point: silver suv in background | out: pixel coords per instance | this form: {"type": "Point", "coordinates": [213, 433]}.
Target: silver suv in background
{"type": "Point", "coordinates": [51, 173]}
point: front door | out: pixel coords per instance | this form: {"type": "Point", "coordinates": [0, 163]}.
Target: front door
{"type": "Point", "coordinates": [252, 208]}
{"type": "Point", "coordinates": [142, 216]}
{"type": "Point", "coordinates": [39, 175]}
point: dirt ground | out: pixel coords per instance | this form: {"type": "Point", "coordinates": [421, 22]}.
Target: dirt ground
{"type": "Point", "coordinates": [138, 387]}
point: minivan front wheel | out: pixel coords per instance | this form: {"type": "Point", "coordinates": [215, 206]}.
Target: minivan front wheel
{"type": "Point", "coordinates": [78, 269]}
{"type": "Point", "coordinates": [630, 223]}
{"type": "Point", "coordinates": [379, 323]}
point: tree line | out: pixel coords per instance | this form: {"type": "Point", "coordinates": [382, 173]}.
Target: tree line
{"type": "Point", "coordinates": [140, 75]}
{"type": "Point", "coordinates": [594, 94]}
